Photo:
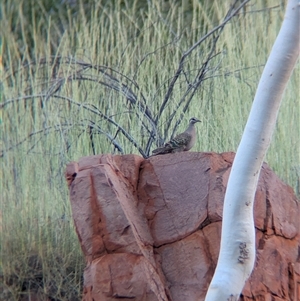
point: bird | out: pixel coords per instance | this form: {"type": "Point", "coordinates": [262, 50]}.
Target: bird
{"type": "Point", "coordinates": [180, 143]}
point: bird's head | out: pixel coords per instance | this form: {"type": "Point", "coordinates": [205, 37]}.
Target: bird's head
{"type": "Point", "coordinates": [194, 120]}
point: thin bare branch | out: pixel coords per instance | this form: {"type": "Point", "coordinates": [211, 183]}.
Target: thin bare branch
{"type": "Point", "coordinates": [111, 139]}
{"type": "Point", "coordinates": [187, 53]}
{"type": "Point", "coordinates": [81, 105]}
{"type": "Point", "coordinates": [231, 13]}
{"type": "Point", "coordinates": [98, 112]}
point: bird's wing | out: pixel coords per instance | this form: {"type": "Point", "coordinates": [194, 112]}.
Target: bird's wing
{"type": "Point", "coordinates": [180, 140]}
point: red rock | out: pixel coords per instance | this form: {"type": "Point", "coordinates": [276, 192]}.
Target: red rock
{"type": "Point", "coordinates": [151, 229]}
{"type": "Point", "coordinates": [116, 276]}
{"type": "Point", "coordinates": [172, 213]}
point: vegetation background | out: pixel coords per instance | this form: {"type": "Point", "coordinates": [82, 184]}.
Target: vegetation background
{"type": "Point", "coordinates": [77, 78]}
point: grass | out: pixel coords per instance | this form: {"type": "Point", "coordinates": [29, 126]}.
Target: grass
{"type": "Point", "coordinates": [39, 248]}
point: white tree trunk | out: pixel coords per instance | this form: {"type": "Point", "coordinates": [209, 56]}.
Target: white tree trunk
{"type": "Point", "coordinates": [237, 253]}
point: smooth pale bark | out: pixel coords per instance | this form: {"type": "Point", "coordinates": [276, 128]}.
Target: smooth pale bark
{"type": "Point", "coordinates": [237, 253]}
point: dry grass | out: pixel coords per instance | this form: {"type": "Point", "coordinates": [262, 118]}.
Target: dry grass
{"type": "Point", "coordinates": [40, 253]}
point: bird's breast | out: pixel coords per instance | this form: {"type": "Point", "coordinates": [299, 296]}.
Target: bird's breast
{"type": "Point", "coordinates": [192, 140]}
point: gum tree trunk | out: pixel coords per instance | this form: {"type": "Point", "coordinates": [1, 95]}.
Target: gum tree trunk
{"type": "Point", "coordinates": [237, 253]}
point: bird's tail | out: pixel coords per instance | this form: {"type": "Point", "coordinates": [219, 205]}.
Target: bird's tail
{"type": "Point", "coordinates": [167, 148]}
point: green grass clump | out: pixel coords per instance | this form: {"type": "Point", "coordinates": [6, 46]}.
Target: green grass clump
{"type": "Point", "coordinates": [138, 44]}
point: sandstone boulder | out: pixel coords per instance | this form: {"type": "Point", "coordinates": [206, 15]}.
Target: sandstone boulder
{"type": "Point", "coordinates": [151, 229]}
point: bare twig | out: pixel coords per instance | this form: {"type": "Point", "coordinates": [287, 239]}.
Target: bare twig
{"type": "Point", "coordinates": [98, 112]}
{"type": "Point", "coordinates": [127, 87]}
{"type": "Point", "coordinates": [57, 128]}
{"type": "Point", "coordinates": [81, 105]}
{"type": "Point", "coordinates": [112, 83]}
{"type": "Point", "coordinates": [93, 126]}
{"type": "Point", "coordinates": [187, 53]}
{"type": "Point", "coordinates": [231, 13]}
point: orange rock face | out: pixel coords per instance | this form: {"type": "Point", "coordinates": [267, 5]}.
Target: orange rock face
{"type": "Point", "coordinates": [150, 229]}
